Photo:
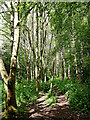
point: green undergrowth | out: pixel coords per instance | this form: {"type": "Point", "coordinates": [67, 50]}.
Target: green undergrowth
{"type": "Point", "coordinates": [51, 97]}
{"type": "Point", "coordinates": [44, 87]}
{"type": "Point", "coordinates": [77, 97]}
{"type": "Point", "coordinates": [25, 92]}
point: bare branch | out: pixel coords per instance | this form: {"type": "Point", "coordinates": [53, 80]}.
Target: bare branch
{"type": "Point", "coordinates": [5, 36]}
{"type": "Point", "coordinates": [6, 6]}
{"type": "Point", "coordinates": [4, 12]}
{"type": "Point", "coordinates": [4, 31]}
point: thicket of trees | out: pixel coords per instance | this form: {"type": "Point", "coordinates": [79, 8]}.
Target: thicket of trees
{"type": "Point", "coordinates": [41, 41]}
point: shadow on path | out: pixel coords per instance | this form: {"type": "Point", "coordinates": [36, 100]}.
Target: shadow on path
{"type": "Point", "coordinates": [43, 111]}
{"type": "Point", "coordinates": [59, 111]}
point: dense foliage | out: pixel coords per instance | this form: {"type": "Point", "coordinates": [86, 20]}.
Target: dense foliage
{"type": "Point", "coordinates": [78, 98]}
{"type": "Point", "coordinates": [49, 50]}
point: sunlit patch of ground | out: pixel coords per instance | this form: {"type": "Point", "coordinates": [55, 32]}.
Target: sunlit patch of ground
{"type": "Point", "coordinates": [43, 111]}
{"type": "Point", "coordinates": [59, 111]}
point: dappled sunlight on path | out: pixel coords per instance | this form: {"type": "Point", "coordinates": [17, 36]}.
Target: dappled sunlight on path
{"type": "Point", "coordinates": [59, 111]}
{"type": "Point", "coordinates": [39, 110]}
{"type": "Point", "coordinates": [62, 101]}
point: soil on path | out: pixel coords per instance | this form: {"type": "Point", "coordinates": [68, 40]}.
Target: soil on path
{"type": "Point", "coordinates": [59, 111]}
{"type": "Point", "coordinates": [43, 111]}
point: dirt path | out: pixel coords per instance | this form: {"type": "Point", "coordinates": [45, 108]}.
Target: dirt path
{"type": "Point", "coordinates": [60, 111]}
{"type": "Point", "coordinates": [43, 111]}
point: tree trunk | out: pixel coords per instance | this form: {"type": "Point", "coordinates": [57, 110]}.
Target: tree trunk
{"type": "Point", "coordinates": [69, 72]}
{"type": "Point", "coordinates": [33, 57]}
{"type": "Point", "coordinates": [75, 58]}
{"type": "Point", "coordinates": [19, 71]}
{"type": "Point", "coordinates": [4, 75]}
{"type": "Point", "coordinates": [12, 30]}
{"type": "Point", "coordinates": [63, 51]}
{"type": "Point", "coordinates": [57, 64]}
{"type": "Point", "coordinates": [45, 79]}
{"type": "Point", "coordinates": [69, 63]}
{"type": "Point", "coordinates": [51, 82]}
{"type": "Point", "coordinates": [65, 69]}
{"type": "Point", "coordinates": [9, 81]}
{"type": "Point", "coordinates": [11, 99]}
{"type": "Point", "coordinates": [62, 65]}
{"type": "Point", "coordinates": [36, 64]}
{"type": "Point", "coordinates": [52, 73]}
{"type": "Point", "coordinates": [81, 61]}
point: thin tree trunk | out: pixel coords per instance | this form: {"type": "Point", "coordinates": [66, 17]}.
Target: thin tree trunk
{"type": "Point", "coordinates": [52, 73]}
{"type": "Point", "coordinates": [33, 57]}
{"type": "Point", "coordinates": [41, 48]}
{"type": "Point", "coordinates": [4, 75]}
{"type": "Point", "coordinates": [65, 69]}
{"type": "Point", "coordinates": [81, 61]}
{"type": "Point", "coordinates": [69, 72]}
{"type": "Point", "coordinates": [51, 82]}
{"type": "Point", "coordinates": [63, 51]}
{"type": "Point", "coordinates": [69, 63]}
{"type": "Point", "coordinates": [18, 73]}
{"type": "Point", "coordinates": [12, 30]}
{"type": "Point", "coordinates": [75, 58]}
{"type": "Point", "coordinates": [36, 64]}
{"type": "Point", "coordinates": [62, 65]}
{"type": "Point", "coordinates": [45, 79]}
{"type": "Point", "coordinates": [57, 64]}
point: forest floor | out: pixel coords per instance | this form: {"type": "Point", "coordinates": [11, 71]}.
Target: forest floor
{"type": "Point", "coordinates": [43, 111]}
{"type": "Point", "coordinates": [60, 111]}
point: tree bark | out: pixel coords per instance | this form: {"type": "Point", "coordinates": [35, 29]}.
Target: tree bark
{"type": "Point", "coordinates": [36, 63]}
{"type": "Point", "coordinates": [12, 30]}
{"type": "Point", "coordinates": [4, 75]}
{"type": "Point", "coordinates": [75, 58]}
{"type": "Point", "coordinates": [69, 72]}
{"type": "Point", "coordinates": [10, 93]}
{"type": "Point", "coordinates": [57, 64]}
{"type": "Point", "coordinates": [62, 65]}
{"type": "Point", "coordinates": [52, 73]}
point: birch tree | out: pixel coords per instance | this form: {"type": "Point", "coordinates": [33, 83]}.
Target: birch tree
{"type": "Point", "coordinates": [9, 80]}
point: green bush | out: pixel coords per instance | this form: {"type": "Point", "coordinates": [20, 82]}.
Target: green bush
{"type": "Point", "coordinates": [77, 97]}
{"type": "Point", "coordinates": [25, 92]}
{"type": "Point", "coordinates": [51, 97]}
{"type": "Point", "coordinates": [44, 86]}
{"type": "Point", "coordinates": [52, 100]}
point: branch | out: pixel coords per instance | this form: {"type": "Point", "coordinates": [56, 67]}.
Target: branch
{"type": "Point", "coordinates": [26, 14]}
{"type": "Point", "coordinates": [4, 40]}
{"type": "Point", "coordinates": [4, 31]}
{"type": "Point", "coordinates": [4, 12]}
{"type": "Point", "coordinates": [5, 36]}
{"type": "Point", "coordinates": [7, 7]}
{"type": "Point", "coordinates": [6, 19]}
